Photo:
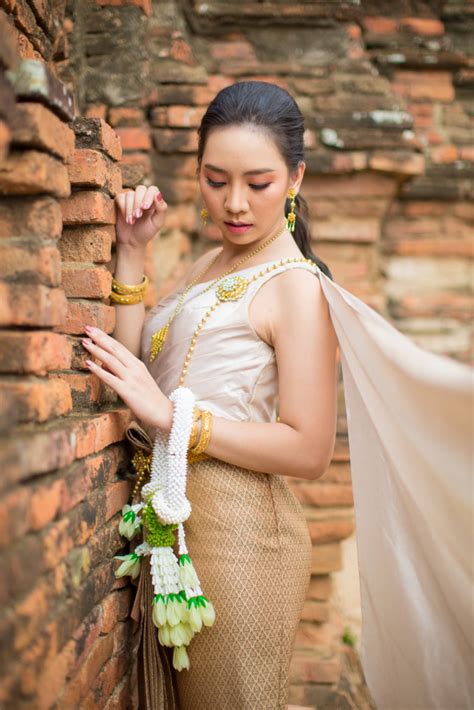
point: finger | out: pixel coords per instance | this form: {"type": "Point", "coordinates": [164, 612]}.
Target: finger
{"type": "Point", "coordinates": [151, 192]}
{"type": "Point", "coordinates": [112, 363]}
{"type": "Point", "coordinates": [110, 345]}
{"type": "Point", "coordinates": [107, 377]}
{"type": "Point", "coordinates": [140, 192]}
{"type": "Point", "coordinates": [130, 199]}
{"type": "Point", "coordinates": [121, 202]}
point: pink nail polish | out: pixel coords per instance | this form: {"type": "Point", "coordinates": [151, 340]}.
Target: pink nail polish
{"type": "Point", "coordinates": [88, 328]}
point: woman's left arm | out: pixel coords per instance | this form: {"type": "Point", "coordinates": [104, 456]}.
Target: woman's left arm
{"type": "Point", "coordinates": [301, 444]}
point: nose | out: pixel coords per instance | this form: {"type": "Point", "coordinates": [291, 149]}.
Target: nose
{"type": "Point", "coordinates": [235, 201]}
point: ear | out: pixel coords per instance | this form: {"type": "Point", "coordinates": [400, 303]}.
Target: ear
{"type": "Point", "coordinates": [296, 177]}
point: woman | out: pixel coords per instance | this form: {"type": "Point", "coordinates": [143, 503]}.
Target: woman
{"type": "Point", "coordinates": [271, 346]}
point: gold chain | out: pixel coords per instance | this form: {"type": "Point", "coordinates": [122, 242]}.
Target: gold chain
{"type": "Point", "coordinates": [235, 293]}
{"type": "Point", "coordinates": [158, 337]}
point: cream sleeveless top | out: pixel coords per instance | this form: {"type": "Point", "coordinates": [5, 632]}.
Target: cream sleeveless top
{"type": "Point", "coordinates": [232, 371]}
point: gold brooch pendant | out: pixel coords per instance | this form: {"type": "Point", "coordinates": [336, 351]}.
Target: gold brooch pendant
{"type": "Point", "coordinates": [232, 288]}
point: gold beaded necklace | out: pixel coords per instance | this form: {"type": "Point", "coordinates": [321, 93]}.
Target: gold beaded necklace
{"type": "Point", "coordinates": [158, 337]}
{"type": "Point", "coordinates": [231, 289]}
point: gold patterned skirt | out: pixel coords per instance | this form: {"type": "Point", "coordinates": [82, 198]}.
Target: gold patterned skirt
{"type": "Point", "coordinates": [249, 542]}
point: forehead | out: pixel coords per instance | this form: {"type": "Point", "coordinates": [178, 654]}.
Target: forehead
{"type": "Point", "coordinates": [241, 148]}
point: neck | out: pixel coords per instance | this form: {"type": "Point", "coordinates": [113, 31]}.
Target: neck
{"type": "Point", "coordinates": [232, 253]}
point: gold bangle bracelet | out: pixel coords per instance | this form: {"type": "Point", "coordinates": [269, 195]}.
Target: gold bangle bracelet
{"type": "Point", "coordinates": [194, 431]}
{"type": "Point", "coordinates": [126, 300]}
{"type": "Point", "coordinates": [206, 429]}
{"type": "Point", "coordinates": [125, 289]}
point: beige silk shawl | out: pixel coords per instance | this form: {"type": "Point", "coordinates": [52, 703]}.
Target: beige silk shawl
{"type": "Point", "coordinates": [410, 437]}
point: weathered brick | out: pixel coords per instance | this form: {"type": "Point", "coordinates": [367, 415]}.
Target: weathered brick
{"type": "Point", "coordinates": [36, 400]}
{"type": "Point", "coordinates": [177, 116]}
{"type": "Point", "coordinates": [88, 208]}
{"type": "Point", "coordinates": [30, 217]}
{"type": "Point", "coordinates": [31, 173]}
{"type": "Point", "coordinates": [44, 503]}
{"type": "Point", "coordinates": [326, 558]}
{"type": "Point", "coordinates": [325, 494]}
{"type": "Point", "coordinates": [308, 668]}
{"type": "Point", "coordinates": [426, 26]}
{"type": "Point", "coordinates": [86, 388]}
{"type": "Point", "coordinates": [36, 127]}
{"type": "Point", "coordinates": [134, 138]}
{"type": "Point", "coordinates": [91, 168]}
{"type": "Point", "coordinates": [126, 116]}
{"type": "Point", "coordinates": [432, 85]}
{"type": "Point", "coordinates": [14, 521]}
{"type": "Point", "coordinates": [169, 140]}
{"type": "Point", "coordinates": [87, 243]}
{"type": "Point", "coordinates": [33, 352]}
{"type": "Point", "coordinates": [30, 261]}
{"type": "Point", "coordinates": [94, 133]}
{"type": "Point", "coordinates": [82, 313]}
{"type": "Point", "coordinates": [85, 281]}
{"type": "Point", "coordinates": [380, 25]}
{"type": "Point", "coordinates": [315, 611]}
{"type": "Point", "coordinates": [31, 305]}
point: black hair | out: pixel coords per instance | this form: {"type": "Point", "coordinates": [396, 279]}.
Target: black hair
{"type": "Point", "coordinates": [273, 109]}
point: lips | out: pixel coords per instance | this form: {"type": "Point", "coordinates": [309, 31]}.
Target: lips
{"type": "Point", "coordinates": [239, 224]}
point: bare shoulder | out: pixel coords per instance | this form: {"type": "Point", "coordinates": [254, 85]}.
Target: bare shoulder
{"type": "Point", "coordinates": [295, 293]}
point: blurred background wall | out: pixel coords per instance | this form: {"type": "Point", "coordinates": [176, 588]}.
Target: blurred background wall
{"type": "Point", "coordinates": [102, 95]}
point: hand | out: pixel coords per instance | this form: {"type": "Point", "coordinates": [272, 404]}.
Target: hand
{"type": "Point", "coordinates": [130, 378]}
{"type": "Point", "coordinates": [140, 215]}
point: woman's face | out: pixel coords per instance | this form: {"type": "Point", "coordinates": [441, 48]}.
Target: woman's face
{"type": "Point", "coordinates": [243, 178]}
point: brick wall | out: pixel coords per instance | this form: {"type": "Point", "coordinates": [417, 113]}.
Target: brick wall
{"type": "Point", "coordinates": [386, 90]}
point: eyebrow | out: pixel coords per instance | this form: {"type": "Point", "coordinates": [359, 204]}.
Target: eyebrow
{"type": "Point", "coordinates": [248, 172]}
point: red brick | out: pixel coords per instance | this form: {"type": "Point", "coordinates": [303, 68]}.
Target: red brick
{"type": "Point", "coordinates": [37, 400]}
{"type": "Point", "coordinates": [320, 587]}
{"type": "Point", "coordinates": [31, 305]}
{"type": "Point", "coordinates": [31, 173]}
{"type": "Point", "coordinates": [233, 49]}
{"type": "Point", "coordinates": [308, 668]}
{"type": "Point", "coordinates": [169, 140]}
{"type": "Point", "coordinates": [44, 503]}
{"type": "Point", "coordinates": [82, 313]}
{"type": "Point", "coordinates": [145, 5]}
{"type": "Point", "coordinates": [86, 207]}
{"type": "Point", "coordinates": [109, 676]}
{"type": "Point", "coordinates": [432, 85]}
{"type": "Point", "coordinates": [425, 26]}
{"type": "Point", "coordinates": [330, 530]}
{"type": "Point", "coordinates": [177, 116]}
{"type": "Point", "coordinates": [87, 243]}
{"type": "Point", "coordinates": [5, 138]}
{"type": "Point", "coordinates": [83, 281]}
{"type": "Point", "coordinates": [14, 514]}
{"type": "Point", "coordinates": [315, 611]}
{"type": "Point", "coordinates": [380, 25]}
{"type": "Point", "coordinates": [33, 352]}
{"type": "Point", "coordinates": [114, 608]}
{"type": "Point", "coordinates": [78, 686]}
{"type": "Point", "coordinates": [117, 494]}
{"type": "Point", "coordinates": [91, 168]}
{"type": "Point", "coordinates": [33, 262]}
{"type": "Point", "coordinates": [30, 217]}
{"type": "Point", "coordinates": [29, 614]}
{"type": "Point", "coordinates": [97, 134]}
{"type": "Point", "coordinates": [99, 431]}
{"type": "Point", "coordinates": [326, 558]}
{"type": "Point", "coordinates": [36, 127]}
{"type": "Point", "coordinates": [444, 154]}
{"type": "Point", "coordinates": [126, 116]}
{"type": "Point", "coordinates": [86, 475]}
{"type": "Point", "coordinates": [134, 138]}
{"type": "Point", "coordinates": [325, 494]}
{"type": "Point", "coordinates": [86, 388]}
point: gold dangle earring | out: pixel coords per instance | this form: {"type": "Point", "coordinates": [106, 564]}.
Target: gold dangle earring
{"type": "Point", "coordinates": [204, 216]}
{"type": "Point", "coordinates": [291, 216]}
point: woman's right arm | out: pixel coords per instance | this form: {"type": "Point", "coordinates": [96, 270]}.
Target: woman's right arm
{"type": "Point", "coordinates": [140, 215]}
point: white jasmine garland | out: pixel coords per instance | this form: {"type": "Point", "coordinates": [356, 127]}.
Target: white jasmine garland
{"type": "Point", "coordinates": [179, 607]}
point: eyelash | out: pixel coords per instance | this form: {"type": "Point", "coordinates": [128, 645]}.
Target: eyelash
{"type": "Point", "coordinates": [219, 184]}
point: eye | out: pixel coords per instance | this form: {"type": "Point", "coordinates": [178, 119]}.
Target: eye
{"type": "Point", "coordinates": [214, 184]}
{"type": "Point", "coordinates": [259, 187]}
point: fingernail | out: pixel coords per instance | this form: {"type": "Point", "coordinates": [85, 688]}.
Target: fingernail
{"type": "Point", "coordinates": [159, 197]}
{"type": "Point", "coordinates": [89, 363]}
{"type": "Point", "coordinates": [87, 341]}
{"type": "Point", "coordinates": [146, 205]}
{"type": "Point", "coordinates": [89, 328]}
